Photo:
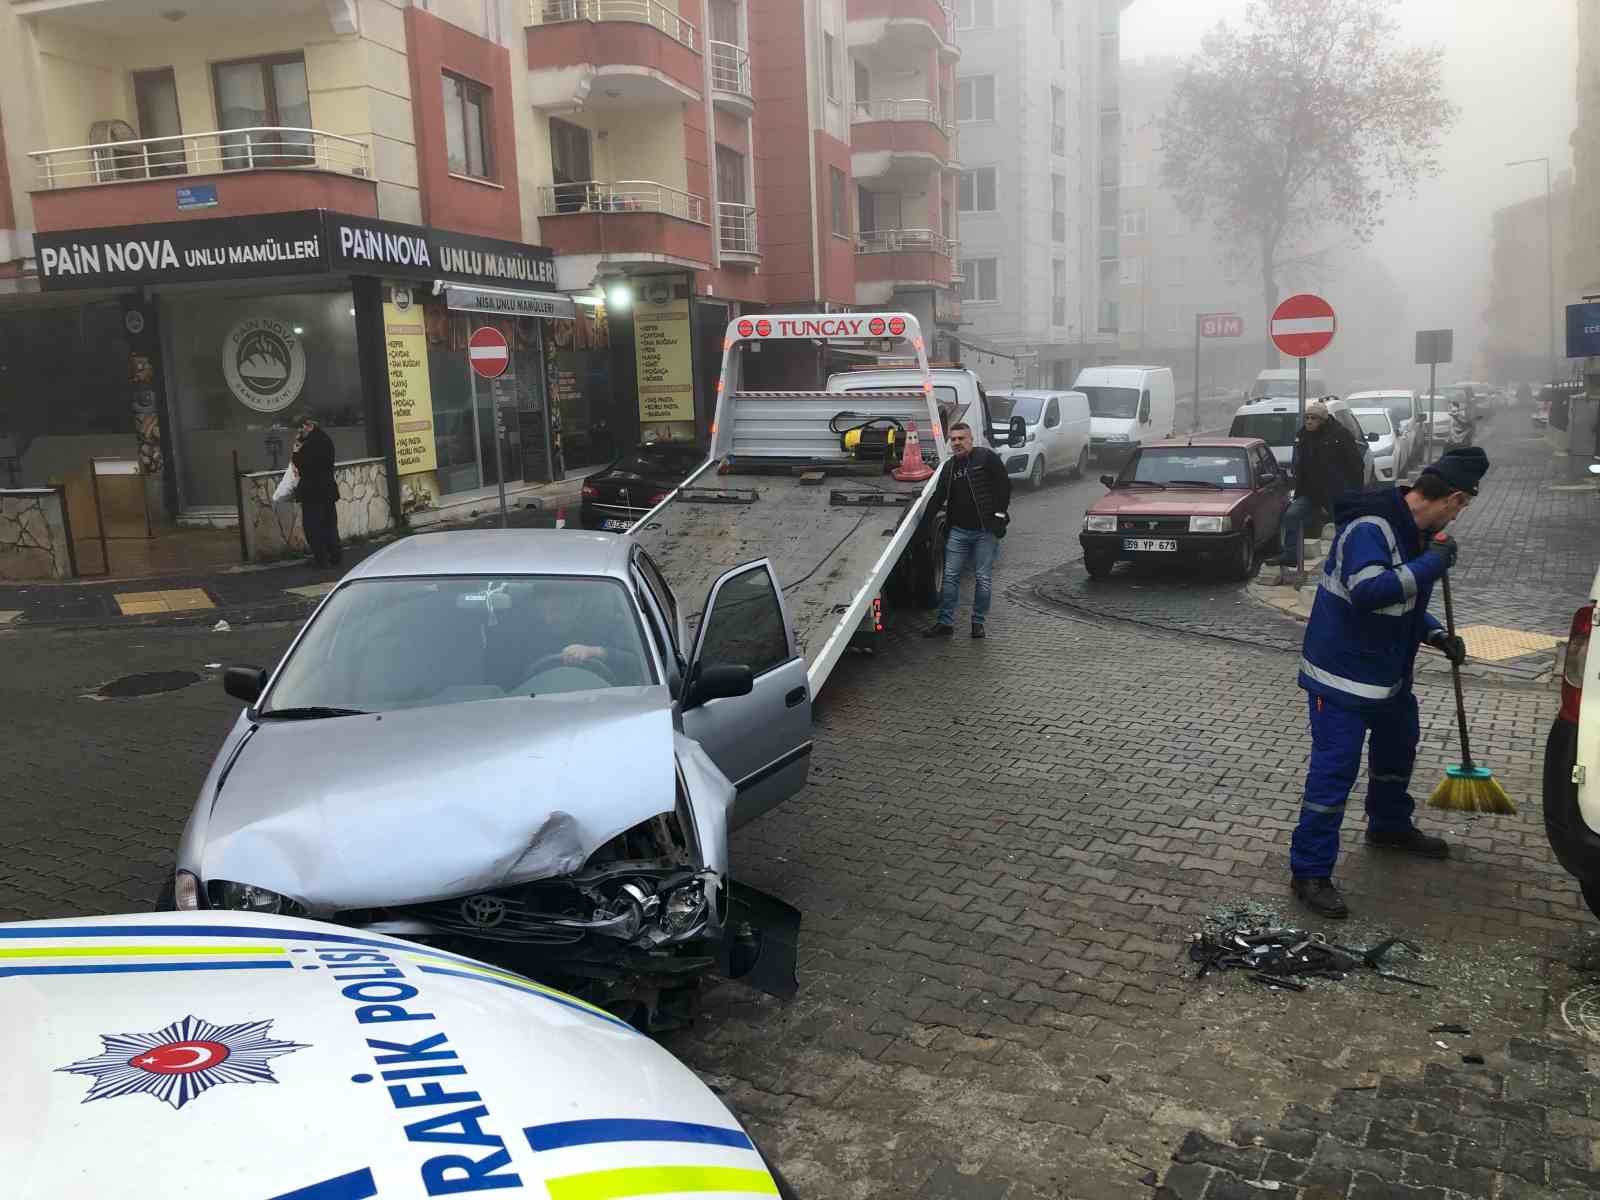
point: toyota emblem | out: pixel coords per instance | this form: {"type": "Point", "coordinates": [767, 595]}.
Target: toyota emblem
{"type": "Point", "coordinates": [483, 911]}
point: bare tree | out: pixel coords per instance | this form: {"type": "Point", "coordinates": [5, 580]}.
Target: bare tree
{"type": "Point", "coordinates": [1308, 119]}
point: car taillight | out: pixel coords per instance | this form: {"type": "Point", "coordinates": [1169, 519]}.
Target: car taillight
{"type": "Point", "coordinates": [1577, 658]}
{"type": "Point", "coordinates": [659, 497]}
{"type": "Point", "coordinates": [590, 492]}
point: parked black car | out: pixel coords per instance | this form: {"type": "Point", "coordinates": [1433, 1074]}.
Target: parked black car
{"type": "Point", "coordinates": [613, 499]}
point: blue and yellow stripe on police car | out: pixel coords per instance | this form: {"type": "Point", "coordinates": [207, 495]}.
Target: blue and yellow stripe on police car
{"type": "Point", "coordinates": [81, 959]}
{"type": "Point", "coordinates": [624, 1183]}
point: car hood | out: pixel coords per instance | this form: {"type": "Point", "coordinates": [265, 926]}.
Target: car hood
{"type": "Point", "coordinates": [420, 804]}
{"type": "Point", "coordinates": [1183, 502]}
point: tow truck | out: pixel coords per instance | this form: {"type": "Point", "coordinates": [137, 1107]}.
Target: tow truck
{"type": "Point", "coordinates": [784, 481]}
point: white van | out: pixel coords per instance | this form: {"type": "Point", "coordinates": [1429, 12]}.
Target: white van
{"type": "Point", "coordinates": [1283, 383]}
{"type": "Point", "coordinates": [1277, 423]}
{"type": "Point", "coordinates": [1058, 433]}
{"type": "Point", "coordinates": [1129, 406]}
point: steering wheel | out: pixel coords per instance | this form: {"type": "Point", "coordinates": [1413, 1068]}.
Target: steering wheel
{"type": "Point", "coordinates": [595, 666]}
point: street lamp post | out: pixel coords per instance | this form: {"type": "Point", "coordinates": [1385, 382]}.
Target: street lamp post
{"type": "Point", "coordinates": [1549, 255]}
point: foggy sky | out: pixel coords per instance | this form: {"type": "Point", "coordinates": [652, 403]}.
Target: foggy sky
{"type": "Point", "coordinates": [1511, 68]}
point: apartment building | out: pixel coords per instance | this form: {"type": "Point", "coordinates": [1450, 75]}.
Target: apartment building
{"type": "Point", "coordinates": [1518, 336]}
{"type": "Point", "coordinates": [212, 220]}
{"type": "Point", "coordinates": [1039, 114]}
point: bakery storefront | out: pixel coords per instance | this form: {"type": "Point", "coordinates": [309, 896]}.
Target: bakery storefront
{"type": "Point", "coordinates": [235, 327]}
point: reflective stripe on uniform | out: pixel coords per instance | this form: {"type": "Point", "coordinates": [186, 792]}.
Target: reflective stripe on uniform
{"type": "Point", "coordinates": [1408, 581]}
{"type": "Point", "coordinates": [1367, 691]}
{"type": "Point", "coordinates": [1366, 573]}
{"type": "Point", "coordinates": [1391, 778]}
{"type": "Point", "coordinates": [1321, 808]}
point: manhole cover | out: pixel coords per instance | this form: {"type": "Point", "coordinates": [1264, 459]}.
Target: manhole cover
{"type": "Point", "coordinates": [147, 684]}
{"type": "Point", "coordinates": [1581, 1012]}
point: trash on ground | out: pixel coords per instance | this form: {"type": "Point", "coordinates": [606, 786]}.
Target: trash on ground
{"type": "Point", "coordinates": [222, 627]}
{"type": "Point", "coordinates": [1273, 954]}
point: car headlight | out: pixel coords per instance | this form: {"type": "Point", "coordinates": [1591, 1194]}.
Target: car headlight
{"type": "Point", "coordinates": [185, 891]}
{"type": "Point", "coordinates": [1210, 524]}
{"type": "Point", "coordinates": [1033, 435]}
{"type": "Point", "coordinates": [1117, 437]}
{"type": "Point", "coordinates": [1096, 524]}
{"type": "Point", "coordinates": [247, 897]}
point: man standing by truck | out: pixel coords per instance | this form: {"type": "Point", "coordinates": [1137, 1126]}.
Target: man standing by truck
{"type": "Point", "coordinates": [976, 492]}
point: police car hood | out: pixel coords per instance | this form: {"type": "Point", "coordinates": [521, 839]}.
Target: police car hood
{"type": "Point", "coordinates": [421, 804]}
{"type": "Point", "coordinates": [174, 1056]}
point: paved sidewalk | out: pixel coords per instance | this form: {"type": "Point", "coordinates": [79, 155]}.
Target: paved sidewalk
{"type": "Point", "coordinates": [239, 594]}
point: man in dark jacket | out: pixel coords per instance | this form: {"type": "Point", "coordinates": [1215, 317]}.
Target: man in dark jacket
{"type": "Point", "coordinates": [1369, 618]}
{"type": "Point", "coordinates": [975, 489]}
{"type": "Point", "coordinates": [318, 492]}
{"type": "Point", "coordinates": [1327, 464]}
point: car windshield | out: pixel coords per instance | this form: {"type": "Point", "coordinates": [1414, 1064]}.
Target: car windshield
{"type": "Point", "coordinates": [1399, 408]}
{"type": "Point", "coordinates": [1029, 408]}
{"type": "Point", "coordinates": [672, 461]}
{"type": "Point", "coordinates": [1274, 389]}
{"type": "Point", "coordinates": [1118, 402]}
{"type": "Point", "coordinates": [1273, 428]}
{"type": "Point", "coordinates": [1186, 464]}
{"type": "Point", "coordinates": [383, 644]}
{"type": "Point", "coordinates": [1377, 423]}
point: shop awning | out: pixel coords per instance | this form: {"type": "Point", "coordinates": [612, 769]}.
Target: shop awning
{"type": "Point", "coordinates": [504, 302]}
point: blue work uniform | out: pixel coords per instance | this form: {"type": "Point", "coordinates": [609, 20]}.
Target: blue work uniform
{"type": "Point", "coordinates": [1369, 617]}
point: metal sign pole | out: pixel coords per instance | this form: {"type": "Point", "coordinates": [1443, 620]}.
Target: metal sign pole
{"type": "Point", "coordinates": [1196, 425]}
{"type": "Point", "coordinates": [1300, 539]}
{"type": "Point", "coordinates": [1433, 391]}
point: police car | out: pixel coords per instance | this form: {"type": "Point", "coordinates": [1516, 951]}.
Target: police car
{"type": "Point", "coordinates": [258, 1057]}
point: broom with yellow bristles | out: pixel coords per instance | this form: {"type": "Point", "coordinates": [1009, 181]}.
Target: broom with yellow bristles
{"type": "Point", "coordinates": [1466, 787]}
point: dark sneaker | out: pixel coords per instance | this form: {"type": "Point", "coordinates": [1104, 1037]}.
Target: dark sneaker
{"type": "Point", "coordinates": [977, 631]}
{"type": "Point", "coordinates": [1410, 841]}
{"type": "Point", "coordinates": [1322, 898]}
{"type": "Point", "coordinates": [939, 630]}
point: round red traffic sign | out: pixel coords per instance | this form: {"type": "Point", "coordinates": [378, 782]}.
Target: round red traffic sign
{"type": "Point", "coordinates": [488, 352]}
{"type": "Point", "coordinates": [1303, 325]}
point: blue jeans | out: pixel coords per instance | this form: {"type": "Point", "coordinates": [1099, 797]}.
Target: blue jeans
{"type": "Point", "coordinates": [1300, 513]}
{"type": "Point", "coordinates": [981, 548]}
{"type": "Point", "coordinates": [1337, 736]}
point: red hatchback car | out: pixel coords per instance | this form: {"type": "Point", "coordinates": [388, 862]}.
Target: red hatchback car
{"type": "Point", "coordinates": [1218, 499]}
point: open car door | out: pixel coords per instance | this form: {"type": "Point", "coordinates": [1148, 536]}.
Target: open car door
{"type": "Point", "coordinates": [762, 740]}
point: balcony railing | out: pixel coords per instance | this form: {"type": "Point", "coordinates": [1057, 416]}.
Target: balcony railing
{"type": "Point", "coordinates": [257, 148]}
{"type": "Point", "coordinates": [647, 12]}
{"type": "Point", "coordinates": [730, 68]}
{"type": "Point", "coordinates": [898, 110]}
{"type": "Point", "coordinates": [736, 229]}
{"type": "Point", "coordinates": [891, 241]}
{"type": "Point", "coordinates": [623, 196]}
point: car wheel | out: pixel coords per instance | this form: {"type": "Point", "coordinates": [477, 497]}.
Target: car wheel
{"type": "Point", "coordinates": [1082, 469]}
{"type": "Point", "coordinates": [1591, 894]}
{"type": "Point", "coordinates": [933, 580]}
{"type": "Point", "coordinates": [1036, 476]}
{"type": "Point", "coordinates": [1099, 565]}
{"type": "Point", "coordinates": [1242, 563]}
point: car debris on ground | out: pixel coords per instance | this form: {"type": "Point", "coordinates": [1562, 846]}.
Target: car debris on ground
{"type": "Point", "coordinates": [1280, 957]}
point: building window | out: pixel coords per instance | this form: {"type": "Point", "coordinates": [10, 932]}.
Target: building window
{"type": "Point", "coordinates": [863, 84]}
{"type": "Point", "coordinates": [1058, 294]}
{"type": "Point", "coordinates": [468, 136]}
{"type": "Point", "coordinates": [1133, 222]}
{"type": "Point", "coordinates": [975, 98]}
{"type": "Point", "coordinates": [830, 70]}
{"type": "Point", "coordinates": [974, 14]}
{"type": "Point", "coordinates": [980, 279]}
{"type": "Point", "coordinates": [1058, 121]}
{"type": "Point", "coordinates": [977, 191]}
{"type": "Point", "coordinates": [1058, 207]}
{"type": "Point", "coordinates": [1132, 174]}
{"type": "Point", "coordinates": [571, 165]}
{"type": "Point", "coordinates": [840, 190]}
{"type": "Point", "coordinates": [269, 96]}
{"type": "Point", "coordinates": [1175, 270]}
{"type": "Point", "coordinates": [1132, 270]}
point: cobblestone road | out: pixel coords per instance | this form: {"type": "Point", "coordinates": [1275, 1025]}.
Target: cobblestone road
{"type": "Point", "coordinates": [1002, 850]}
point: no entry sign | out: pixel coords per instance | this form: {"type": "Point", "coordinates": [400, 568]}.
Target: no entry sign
{"type": "Point", "coordinates": [488, 352]}
{"type": "Point", "coordinates": [1303, 325]}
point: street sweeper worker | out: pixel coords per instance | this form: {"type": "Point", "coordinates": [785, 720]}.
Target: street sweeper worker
{"type": "Point", "coordinates": [1368, 620]}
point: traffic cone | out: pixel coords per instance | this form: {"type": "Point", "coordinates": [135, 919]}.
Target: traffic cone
{"type": "Point", "coordinates": [561, 517]}
{"type": "Point", "coordinates": [912, 469]}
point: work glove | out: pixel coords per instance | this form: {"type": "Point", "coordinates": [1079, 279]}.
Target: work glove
{"type": "Point", "coordinates": [1448, 645]}
{"type": "Point", "coordinates": [1444, 546]}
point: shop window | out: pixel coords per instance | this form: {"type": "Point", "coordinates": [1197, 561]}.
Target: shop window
{"type": "Point", "coordinates": [468, 131]}
{"type": "Point", "coordinates": [242, 370]}
{"type": "Point", "coordinates": [268, 101]}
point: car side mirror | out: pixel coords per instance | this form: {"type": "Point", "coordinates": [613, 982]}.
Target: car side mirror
{"type": "Point", "coordinates": [1372, 437]}
{"type": "Point", "coordinates": [1019, 431]}
{"type": "Point", "coordinates": [244, 683]}
{"type": "Point", "coordinates": [719, 681]}
{"type": "Point", "coordinates": [1109, 480]}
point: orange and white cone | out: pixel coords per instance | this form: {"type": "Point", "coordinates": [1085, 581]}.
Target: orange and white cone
{"type": "Point", "coordinates": [912, 469]}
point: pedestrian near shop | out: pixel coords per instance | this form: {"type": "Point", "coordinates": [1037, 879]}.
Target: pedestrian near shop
{"type": "Point", "coordinates": [318, 492]}
{"type": "Point", "coordinates": [1369, 618]}
{"type": "Point", "coordinates": [975, 491]}
{"type": "Point", "coordinates": [1327, 464]}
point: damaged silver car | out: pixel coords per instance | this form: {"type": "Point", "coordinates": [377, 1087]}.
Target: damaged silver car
{"type": "Point", "coordinates": [501, 741]}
